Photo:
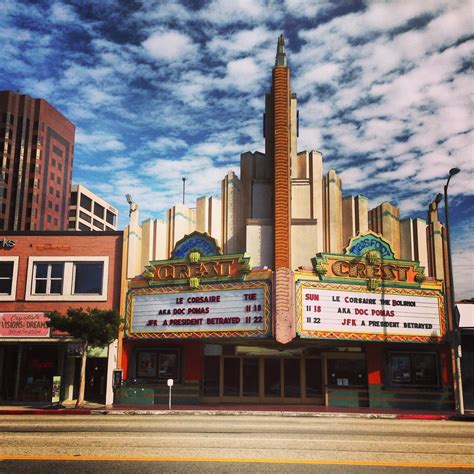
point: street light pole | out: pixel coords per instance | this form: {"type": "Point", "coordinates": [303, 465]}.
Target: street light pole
{"type": "Point", "coordinates": [455, 327]}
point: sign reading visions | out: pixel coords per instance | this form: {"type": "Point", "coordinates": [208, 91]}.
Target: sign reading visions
{"type": "Point", "coordinates": [220, 310]}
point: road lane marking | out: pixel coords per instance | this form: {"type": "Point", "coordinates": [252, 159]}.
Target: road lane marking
{"type": "Point", "coordinates": [237, 460]}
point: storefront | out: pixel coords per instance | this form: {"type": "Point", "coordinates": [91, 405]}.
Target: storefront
{"type": "Point", "coordinates": [465, 313]}
{"type": "Point", "coordinates": [53, 271]}
{"type": "Point", "coordinates": [370, 332]}
{"type": "Point", "coordinates": [386, 325]}
{"type": "Point", "coordinates": [29, 358]}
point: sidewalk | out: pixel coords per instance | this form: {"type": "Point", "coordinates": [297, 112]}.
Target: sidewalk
{"type": "Point", "coordinates": [231, 410]}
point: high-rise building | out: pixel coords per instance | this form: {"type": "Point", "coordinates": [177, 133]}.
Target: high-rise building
{"type": "Point", "coordinates": [90, 212]}
{"type": "Point", "coordinates": [36, 155]}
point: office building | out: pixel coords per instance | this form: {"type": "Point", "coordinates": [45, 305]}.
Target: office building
{"type": "Point", "coordinates": [36, 157]}
{"type": "Point", "coordinates": [87, 211]}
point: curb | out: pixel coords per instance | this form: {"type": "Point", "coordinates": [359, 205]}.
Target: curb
{"type": "Point", "coordinates": [134, 412]}
{"type": "Point", "coordinates": [67, 411]}
{"type": "Point", "coordinates": [241, 413]}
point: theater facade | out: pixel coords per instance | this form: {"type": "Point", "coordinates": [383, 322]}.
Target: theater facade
{"type": "Point", "coordinates": [284, 291]}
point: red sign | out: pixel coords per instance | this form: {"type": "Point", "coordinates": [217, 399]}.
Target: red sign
{"type": "Point", "coordinates": [23, 325]}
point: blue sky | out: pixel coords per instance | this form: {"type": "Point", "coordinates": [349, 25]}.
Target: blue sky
{"type": "Point", "coordinates": [161, 90]}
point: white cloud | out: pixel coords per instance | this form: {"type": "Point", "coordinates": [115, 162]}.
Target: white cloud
{"type": "Point", "coordinates": [102, 141]}
{"type": "Point", "coordinates": [62, 13]}
{"type": "Point", "coordinates": [169, 45]}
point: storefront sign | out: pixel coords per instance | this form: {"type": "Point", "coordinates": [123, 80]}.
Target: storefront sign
{"type": "Point", "coordinates": [7, 243]}
{"type": "Point", "coordinates": [23, 325]}
{"type": "Point", "coordinates": [345, 312]}
{"type": "Point", "coordinates": [230, 309]}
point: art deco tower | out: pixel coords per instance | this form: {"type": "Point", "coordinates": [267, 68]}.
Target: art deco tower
{"type": "Point", "coordinates": [279, 150]}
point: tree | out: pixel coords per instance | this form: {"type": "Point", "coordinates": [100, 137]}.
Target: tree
{"type": "Point", "coordinates": [93, 326]}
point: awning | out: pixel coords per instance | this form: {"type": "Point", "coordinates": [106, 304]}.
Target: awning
{"type": "Point", "coordinates": [466, 315]}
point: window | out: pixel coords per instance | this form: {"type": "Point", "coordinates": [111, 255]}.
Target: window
{"type": "Point", "coordinates": [99, 210]}
{"type": "Point", "coordinates": [73, 198]}
{"type": "Point", "coordinates": [414, 369]}
{"type": "Point", "coordinates": [84, 216]}
{"type": "Point", "coordinates": [110, 218]}
{"type": "Point", "coordinates": [72, 213]}
{"type": "Point", "coordinates": [160, 364]}
{"type": "Point", "coordinates": [8, 272]}
{"type": "Point", "coordinates": [56, 207]}
{"type": "Point", "coordinates": [57, 193]}
{"type": "Point", "coordinates": [50, 204]}
{"type": "Point", "coordinates": [58, 179]}
{"type": "Point", "coordinates": [83, 227]}
{"type": "Point", "coordinates": [86, 202]}
{"type": "Point", "coordinates": [67, 278]}
{"type": "Point", "coordinates": [72, 224]}
{"type": "Point", "coordinates": [88, 277]}
{"type": "Point", "coordinates": [48, 218]}
{"type": "Point", "coordinates": [48, 278]}
{"type": "Point", "coordinates": [98, 224]}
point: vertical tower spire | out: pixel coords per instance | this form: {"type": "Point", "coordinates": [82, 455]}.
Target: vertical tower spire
{"type": "Point", "coordinates": [280, 59]}
{"type": "Point", "coordinates": [278, 148]}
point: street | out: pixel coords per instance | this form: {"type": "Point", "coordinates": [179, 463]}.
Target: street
{"type": "Point", "coordinates": [193, 443]}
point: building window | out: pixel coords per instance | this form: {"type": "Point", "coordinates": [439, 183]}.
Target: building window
{"type": "Point", "coordinates": [160, 364]}
{"type": "Point", "coordinates": [51, 176]}
{"type": "Point", "coordinates": [56, 222]}
{"type": "Point", "coordinates": [72, 224]}
{"type": "Point", "coordinates": [99, 210]}
{"type": "Point", "coordinates": [83, 227]}
{"type": "Point", "coordinates": [58, 179]}
{"type": "Point", "coordinates": [51, 190]}
{"type": "Point", "coordinates": [67, 278]}
{"type": "Point", "coordinates": [413, 369]}
{"type": "Point", "coordinates": [73, 198]}
{"type": "Point", "coordinates": [57, 194]}
{"type": "Point", "coordinates": [72, 213]}
{"type": "Point", "coordinates": [6, 277]}
{"type": "Point", "coordinates": [56, 207]}
{"type": "Point", "coordinates": [48, 218]}
{"type": "Point", "coordinates": [98, 224]}
{"type": "Point", "coordinates": [50, 204]}
{"type": "Point", "coordinates": [110, 218]}
{"type": "Point", "coordinates": [48, 278]}
{"type": "Point", "coordinates": [85, 216]}
{"type": "Point", "coordinates": [86, 202]}
{"type": "Point", "coordinates": [88, 277]}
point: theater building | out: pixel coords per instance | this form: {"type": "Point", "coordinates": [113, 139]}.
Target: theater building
{"type": "Point", "coordinates": [45, 271]}
{"type": "Point", "coordinates": [297, 294]}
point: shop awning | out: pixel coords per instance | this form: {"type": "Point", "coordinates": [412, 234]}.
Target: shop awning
{"type": "Point", "coordinates": [466, 315]}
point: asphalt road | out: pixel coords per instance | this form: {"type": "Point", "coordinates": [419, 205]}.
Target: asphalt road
{"type": "Point", "coordinates": [202, 443]}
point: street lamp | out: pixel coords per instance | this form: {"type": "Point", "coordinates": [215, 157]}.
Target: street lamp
{"type": "Point", "coordinates": [455, 328]}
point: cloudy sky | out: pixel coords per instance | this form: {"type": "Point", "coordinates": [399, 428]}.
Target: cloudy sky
{"type": "Point", "coordinates": [161, 90]}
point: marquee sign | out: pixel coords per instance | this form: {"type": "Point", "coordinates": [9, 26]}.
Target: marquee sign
{"type": "Point", "coordinates": [337, 311]}
{"type": "Point", "coordinates": [196, 259]}
{"type": "Point", "coordinates": [368, 260]}
{"type": "Point", "coordinates": [219, 310]}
